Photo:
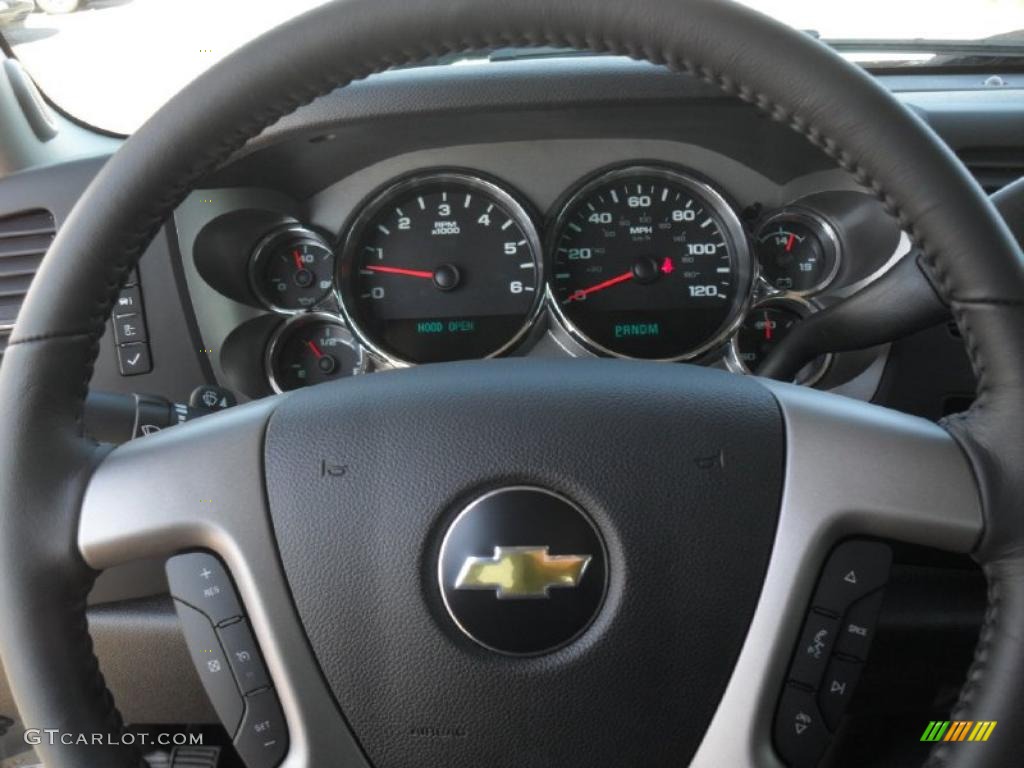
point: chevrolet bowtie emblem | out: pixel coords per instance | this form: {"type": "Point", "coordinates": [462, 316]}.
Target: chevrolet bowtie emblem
{"type": "Point", "coordinates": [522, 572]}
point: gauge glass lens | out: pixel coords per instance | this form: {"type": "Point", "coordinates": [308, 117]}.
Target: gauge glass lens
{"type": "Point", "coordinates": [444, 267]}
{"type": "Point", "coordinates": [762, 329]}
{"type": "Point", "coordinates": [311, 350]}
{"type": "Point", "coordinates": [292, 270]}
{"type": "Point", "coordinates": [795, 255]}
{"type": "Point", "coordinates": [649, 263]}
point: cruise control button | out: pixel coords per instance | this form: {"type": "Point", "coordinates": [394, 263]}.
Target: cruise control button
{"type": "Point", "coordinates": [243, 656]}
{"type": "Point", "coordinates": [854, 569]}
{"type": "Point", "coordinates": [813, 651]}
{"type": "Point", "coordinates": [857, 629]}
{"type": "Point", "coordinates": [212, 666]}
{"type": "Point", "coordinates": [800, 734]}
{"type": "Point", "coordinates": [262, 739]}
{"type": "Point", "coordinates": [129, 328]}
{"type": "Point", "coordinates": [201, 581]}
{"type": "Point", "coordinates": [837, 690]}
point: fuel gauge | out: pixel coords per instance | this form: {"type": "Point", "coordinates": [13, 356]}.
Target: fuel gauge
{"type": "Point", "coordinates": [310, 349]}
{"type": "Point", "coordinates": [798, 252]}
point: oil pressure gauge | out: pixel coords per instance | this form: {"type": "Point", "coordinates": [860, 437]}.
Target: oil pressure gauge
{"type": "Point", "coordinates": [798, 252]}
{"type": "Point", "coordinates": [291, 270]}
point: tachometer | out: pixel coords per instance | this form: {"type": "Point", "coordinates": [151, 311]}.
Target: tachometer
{"type": "Point", "coordinates": [441, 267]}
{"type": "Point", "coordinates": [648, 262]}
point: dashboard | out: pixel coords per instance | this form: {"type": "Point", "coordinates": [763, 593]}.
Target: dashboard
{"type": "Point", "coordinates": [276, 273]}
{"type": "Point", "coordinates": [612, 247]}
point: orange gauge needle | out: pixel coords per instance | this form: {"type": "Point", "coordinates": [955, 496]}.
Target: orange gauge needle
{"type": "Point", "coordinates": [584, 292]}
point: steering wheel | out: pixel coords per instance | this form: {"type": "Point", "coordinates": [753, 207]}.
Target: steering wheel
{"type": "Point", "coordinates": [715, 499]}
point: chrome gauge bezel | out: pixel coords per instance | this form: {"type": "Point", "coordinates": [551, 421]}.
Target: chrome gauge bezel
{"type": "Point", "coordinates": [298, 321]}
{"type": "Point", "coordinates": [803, 307]}
{"type": "Point", "coordinates": [825, 232]}
{"type": "Point", "coordinates": [376, 202]}
{"type": "Point", "coordinates": [733, 230]}
{"type": "Point", "coordinates": [299, 233]}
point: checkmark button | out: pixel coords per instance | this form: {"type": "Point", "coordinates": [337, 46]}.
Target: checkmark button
{"type": "Point", "coordinates": [134, 359]}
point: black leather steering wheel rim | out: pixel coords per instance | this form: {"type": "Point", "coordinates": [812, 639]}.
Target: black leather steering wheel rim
{"type": "Point", "coordinates": [973, 259]}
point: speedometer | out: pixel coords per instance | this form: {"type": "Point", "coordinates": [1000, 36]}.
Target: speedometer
{"type": "Point", "coordinates": [441, 267]}
{"type": "Point", "coordinates": [649, 262]}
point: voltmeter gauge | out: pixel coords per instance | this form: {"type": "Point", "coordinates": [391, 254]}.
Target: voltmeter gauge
{"type": "Point", "coordinates": [311, 348]}
{"type": "Point", "coordinates": [798, 252]}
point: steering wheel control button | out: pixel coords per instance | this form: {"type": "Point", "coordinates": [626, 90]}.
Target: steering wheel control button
{"type": "Point", "coordinates": [801, 737]}
{"type": "Point", "coordinates": [522, 571]}
{"type": "Point", "coordinates": [837, 690]}
{"type": "Point", "coordinates": [815, 647]}
{"type": "Point", "coordinates": [134, 359]}
{"type": "Point", "coordinates": [855, 569]}
{"type": "Point", "coordinates": [200, 580]}
{"type": "Point", "coordinates": [244, 656]}
{"type": "Point", "coordinates": [211, 664]}
{"type": "Point", "coordinates": [834, 643]}
{"type": "Point", "coordinates": [857, 629]}
{"type": "Point", "coordinates": [262, 739]}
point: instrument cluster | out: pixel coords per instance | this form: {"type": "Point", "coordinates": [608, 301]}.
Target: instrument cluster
{"type": "Point", "coordinates": [644, 261]}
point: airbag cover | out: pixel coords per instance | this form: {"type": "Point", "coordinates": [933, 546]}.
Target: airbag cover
{"type": "Point", "coordinates": [680, 470]}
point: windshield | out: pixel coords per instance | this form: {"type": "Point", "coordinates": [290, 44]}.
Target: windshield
{"type": "Point", "coordinates": [112, 63]}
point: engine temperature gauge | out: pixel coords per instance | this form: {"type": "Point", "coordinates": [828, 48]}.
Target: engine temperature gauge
{"type": "Point", "coordinates": [798, 252]}
{"type": "Point", "coordinates": [763, 328]}
{"type": "Point", "coordinates": [311, 349]}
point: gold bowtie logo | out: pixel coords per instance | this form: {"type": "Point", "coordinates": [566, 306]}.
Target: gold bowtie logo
{"type": "Point", "coordinates": [522, 572]}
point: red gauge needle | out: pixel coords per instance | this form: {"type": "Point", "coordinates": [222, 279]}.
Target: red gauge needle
{"type": "Point", "coordinates": [767, 328]}
{"type": "Point", "coordinates": [314, 349]}
{"type": "Point", "coordinates": [790, 242]}
{"type": "Point", "coordinates": [583, 292]}
{"type": "Point", "coordinates": [298, 259]}
{"type": "Point", "coordinates": [399, 271]}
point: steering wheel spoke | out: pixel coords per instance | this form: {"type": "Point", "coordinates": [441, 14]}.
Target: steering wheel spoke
{"type": "Point", "coordinates": [852, 470]}
{"type": "Point", "coordinates": [201, 486]}
{"type": "Point", "coordinates": [194, 486]}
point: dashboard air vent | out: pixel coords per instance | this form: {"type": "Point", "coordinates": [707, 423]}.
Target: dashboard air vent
{"type": "Point", "coordinates": [994, 167]}
{"type": "Point", "coordinates": [24, 238]}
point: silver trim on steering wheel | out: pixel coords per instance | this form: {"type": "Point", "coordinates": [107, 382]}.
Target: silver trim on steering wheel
{"type": "Point", "coordinates": [851, 469]}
